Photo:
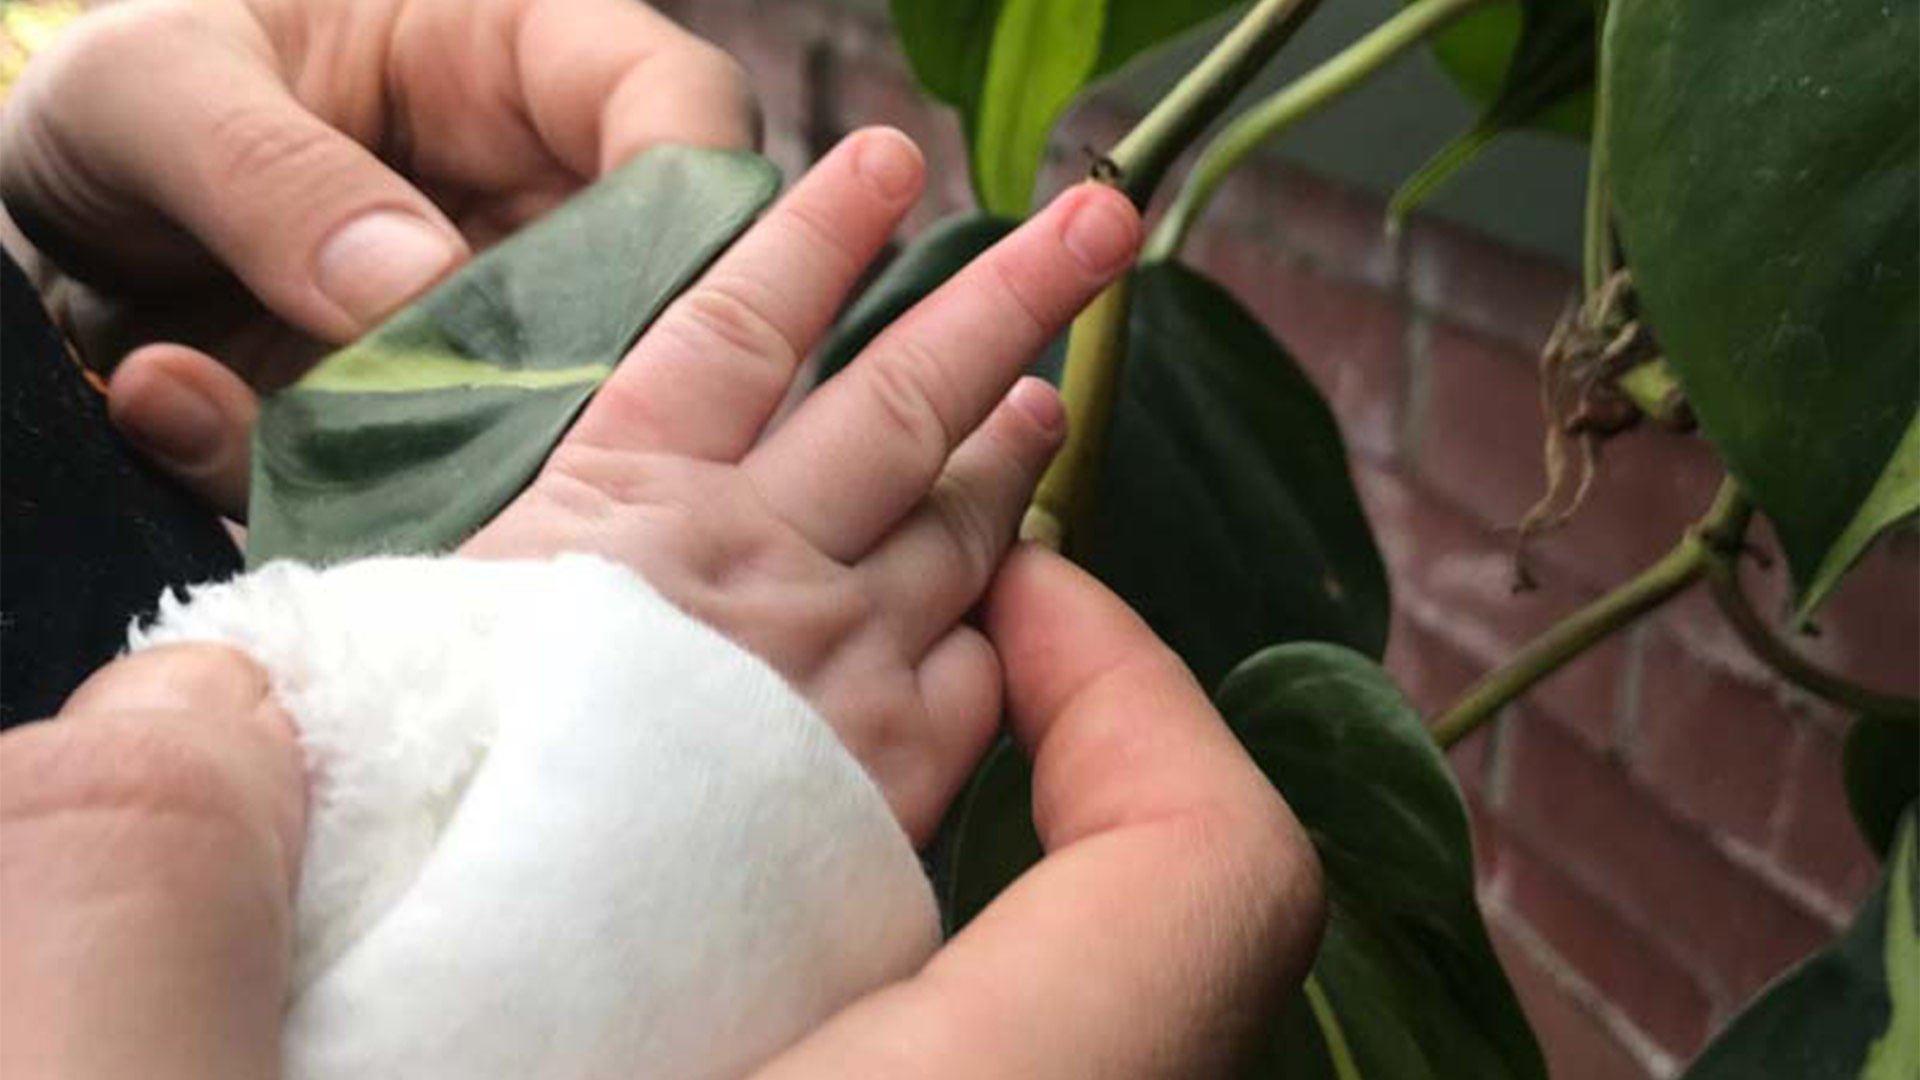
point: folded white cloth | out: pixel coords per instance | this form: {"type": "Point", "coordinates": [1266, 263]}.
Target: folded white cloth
{"type": "Point", "coordinates": [558, 828]}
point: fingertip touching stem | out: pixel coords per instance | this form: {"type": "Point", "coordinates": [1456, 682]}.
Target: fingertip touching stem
{"type": "Point", "coordinates": [1145, 153]}
{"type": "Point", "coordinates": [1298, 99]}
{"type": "Point", "coordinates": [1097, 344]}
{"type": "Point", "coordinates": [1089, 385]}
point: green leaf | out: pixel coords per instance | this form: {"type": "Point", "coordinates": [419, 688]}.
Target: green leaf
{"type": "Point", "coordinates": [988, 839]}
{"type": "Point", "coordinates": [1225, 513]}
{"type": "Point", "coordinates": [411, 438]}
{"type": "Point", "coordinates": [1881, 767]}
{"type": "Point", "coordinates": [1895, 498]}
{"type": "Point", "coordinates": [1013, 66]}
{"type": "Point", "coordinates": [1407, 972]}
{"type": "Point", "coordinates": [1851, 1012]}
{"type": "Point", "coordinates": [1530, 63]}
{"type": "Point", "coordinates": [1766, 188]}
{"type": "Point", "coordinates": [1043, 52]}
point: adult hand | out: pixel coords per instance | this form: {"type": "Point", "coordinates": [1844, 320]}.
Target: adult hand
{"type": "Point", "coordinates": [845, 546]}
{"type": "Point", "coordinates": [149, 844]}
{"type": "Point", "coordinates": [261, 180]}
{"type": "Point", "coordinates": [1178, 903]}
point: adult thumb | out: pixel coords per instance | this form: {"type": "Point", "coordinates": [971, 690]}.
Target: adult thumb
{"type": "Point", "coordinates": [319, 228]}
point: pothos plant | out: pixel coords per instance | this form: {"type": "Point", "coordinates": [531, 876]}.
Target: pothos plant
{"type": "Point", "coordinates": [1751, 262]}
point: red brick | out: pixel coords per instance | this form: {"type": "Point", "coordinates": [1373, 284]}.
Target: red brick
{"type": "Point", "coordinates": [1715, 746]}
{"type": "Point", "coordinates": [1480, 433]}
{"type": "Point", "coordinates": [1490, 841]}
{"type": "Point", "coordinates": [1480, 441]}
{"type": "Point", "coordinates": [1585, 695]}
{"type": "Point", "coordinates": [1578, 1045]}
{"type": "Point", "coordinates": [1470, 761]}
{"type": "Point", "coordinates": [1495, 289]}
{"type": "Point", "coordinates": [1695, 621]}
{"type": "Point", "coordinates": [1450, 571]}
{"type": "Point", "coordinates": [1614, 837]}
{"type": "Point", "coordinates": [1431, 670]}
{"type": "Point", "coordinates": [1870, 629]}
{"type": "Point", "coordinates": [1657, 993]}
{"type": "Point", "coordinates": [1818, 840]}
{"type": "Point", "coordinates": [1349, 339]}
{"type": "Point", "coordinates": [1337, 231]}
{"type": "Point", "coordinates": [1649, 486]}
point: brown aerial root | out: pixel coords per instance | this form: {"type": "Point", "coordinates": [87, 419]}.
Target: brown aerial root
{"type": "Point", "coordinates": [1591, 346]}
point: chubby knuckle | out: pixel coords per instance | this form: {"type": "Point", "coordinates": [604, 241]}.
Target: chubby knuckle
{"type": "Point", "coordinates": [589, 480]}
{"type": "Point", "coordinates": [727, 315]}
{"type": "Point", "coordinates": [966, 514]}
{"type": "Point", "coordinates": [1019, 297]}
{"type": "Point", "coordinates": [906, 400]}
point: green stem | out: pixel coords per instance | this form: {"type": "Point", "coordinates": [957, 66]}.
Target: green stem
{"type": "Point", "coordinates": [1096, 349]}
{"type": "Point", "coordinates": [1597, 261]}
{"type": "Point", "coordinates": [1655, 391]}
{"type": "Point", "coordinates": [1723, 578]}
{"type": "Point", "coordinates": [1097, 345]}
{"type": "Point", "coordinates": [1719, 530]}
{"type": "Point", "coordinates": [1303, 96]}
{"type": "Point", "coordinates": [1197, 100]}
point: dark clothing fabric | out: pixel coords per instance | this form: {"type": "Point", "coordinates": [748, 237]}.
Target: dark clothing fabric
{"type": "Point", "coordinates": [89, 534]}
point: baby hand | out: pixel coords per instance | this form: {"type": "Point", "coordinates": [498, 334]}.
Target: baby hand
{"type": "Point", "coordinates": [845, 546]}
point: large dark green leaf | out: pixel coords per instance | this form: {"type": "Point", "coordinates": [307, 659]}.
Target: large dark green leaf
{"type": "Point", "coordinates": [1530, 63]}
{"type": "Point", "coordinates": [1881, 766]}
{"type": "Point", "coordinates": [1408, 981]}
{"type": "Point", "coordinates": [1226, 514]}
{"type": "Point", "coordinates": [411, 438]}
{"type": "Point", "coordinates": [1851, 1012]}
{"type": "Point", "coordinates": [1768, 198]}
{"type": "Point", "coordinates": [1012, 66]}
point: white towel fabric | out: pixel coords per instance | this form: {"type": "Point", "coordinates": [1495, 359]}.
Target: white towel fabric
{"type": "Point", "coordinates": [558, 828]}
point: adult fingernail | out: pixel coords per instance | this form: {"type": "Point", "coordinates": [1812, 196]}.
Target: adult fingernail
{"type": "Point", "coordinates": [376, 262]}
{"type": "Point", "coordinates": [889, 164]}
{"type": "Point", "coordinates": [172, 422]}
{"type": "Point", "coordinates": [1100, 234]}
{"type": "Point", "coordinates": [1041, 402]}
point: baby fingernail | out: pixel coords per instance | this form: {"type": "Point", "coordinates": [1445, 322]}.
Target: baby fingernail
{"type": "Point", "coordinates": [1041, 402]}
{"type": "Point", "coordinates": [889, 164]}
{"type": "Point", "coordinates": [1100, 234]}
{"type": "Point", "coordinates": [376, 262]}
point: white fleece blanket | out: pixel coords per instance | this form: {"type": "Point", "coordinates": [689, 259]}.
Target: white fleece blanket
{"type": "Point", "coordinates": [558, 829]}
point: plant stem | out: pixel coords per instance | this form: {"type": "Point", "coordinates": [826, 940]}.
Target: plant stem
{"type": "Point", "coordinates": [1719, 530]}
{"type": "Point", "coordinates": [1097, 344]}
{"type": "Point", "coordinates": [1146, 152]}
{"type": "Point", "coordinates": [1723, 578]}
{"type": "Point", "coordinates": [1304, 95]}
{"type": "Point", "coordinates": [1089, 385]}
{"type": "Point", "coordinates": [1597, 257]}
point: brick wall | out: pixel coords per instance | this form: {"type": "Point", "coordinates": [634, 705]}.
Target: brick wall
{"type": "Point", "coordinates": [1660, 826]}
